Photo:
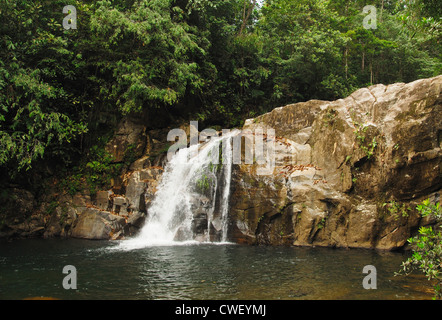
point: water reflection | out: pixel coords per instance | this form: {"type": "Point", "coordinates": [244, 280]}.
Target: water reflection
{"type": "Point", "coordinates": [198, 271]}
{"type": "Point", "coordinates": [34, 268]}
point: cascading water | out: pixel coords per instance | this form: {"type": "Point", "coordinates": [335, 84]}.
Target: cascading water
{"type": "Point", "coordinates": [191, 204]}
{"type": "Point", "coordinates": [226, 190]}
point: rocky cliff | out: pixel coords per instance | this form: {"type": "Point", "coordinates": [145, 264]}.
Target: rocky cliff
{"type": "Point", "coordinates": [348, 173]}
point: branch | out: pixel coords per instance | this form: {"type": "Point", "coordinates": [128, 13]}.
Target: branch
{"type": "Point", "coordinates": [246, 17]}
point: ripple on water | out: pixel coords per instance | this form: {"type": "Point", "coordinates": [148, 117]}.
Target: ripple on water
{"type": "Point", "coordinates": [109, 270]}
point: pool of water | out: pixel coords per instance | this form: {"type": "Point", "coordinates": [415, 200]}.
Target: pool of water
{"type": "Point", "coordinates": [34, 268]}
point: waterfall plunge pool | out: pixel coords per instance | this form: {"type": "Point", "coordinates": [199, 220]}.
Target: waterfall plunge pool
{"type": "Point", "coordinates": [33, 268]}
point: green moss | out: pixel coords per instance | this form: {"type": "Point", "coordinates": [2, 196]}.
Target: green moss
{"type": "Point", "coordinates": [51, 207]}
{"type": "Point", "coordinates": [329, 117]}
{"type": "Point", "coordinates": [396, 209]}
{"type": "Point", "coordinates": [365, 144]}
{"type": "Point", "coordinates": [203, 183]}
{"type": "Point", "coordinates": [321, 224]}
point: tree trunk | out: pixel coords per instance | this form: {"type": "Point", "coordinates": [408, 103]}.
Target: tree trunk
{"type": "Point", "coordinates": [382, 10]}
{"type": "Point", "coordinates": [246, 16]}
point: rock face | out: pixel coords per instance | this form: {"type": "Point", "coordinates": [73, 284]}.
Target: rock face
{"type": "Point", "coordinates": [109, 214]}
{"type": "Point", "coordinates": [130, 136]}
{"type": "Point", "coordinates": [17, 216]}
{"type": "Point", "coordinates": [347, 173]}
{"type": "Point", "coordinates": [120, 211]}
{"type": "Point", "coordinates": [96, 224]}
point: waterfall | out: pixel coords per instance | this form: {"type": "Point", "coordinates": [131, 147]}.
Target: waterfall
{"type": "Point", "coordinates": [191, 203]}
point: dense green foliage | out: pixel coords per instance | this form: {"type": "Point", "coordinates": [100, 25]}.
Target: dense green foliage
{"type": "Point", "coordinates": [216, 61]}
{"type": "Point", "coordinates": [40, 108]}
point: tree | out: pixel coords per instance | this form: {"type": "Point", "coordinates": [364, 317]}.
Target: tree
{"type": "Point", "coordinates": [427, 248]}
{"type": "Point", "coordinates": [304, 46]}
{"type": "Point", "coordinates": [247, 12]}
{"type": "Point", "coordinates": [38, 69]}
{"type": "Point", "coordinates": [150, 54]}
{"type": "Point", "coordinates": [216, 61]}
{"type": "Point", "coordinates": [234, 68]}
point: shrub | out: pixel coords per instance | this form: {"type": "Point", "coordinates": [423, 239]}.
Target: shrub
{"type": "Point", "coordinates": [427, 248]}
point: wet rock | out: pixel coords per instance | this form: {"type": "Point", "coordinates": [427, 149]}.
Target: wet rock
{"type": "Point", "coordinates": [199, 224]}
{"type": "Point", "coordinates": [61, 221]}
{"type": "Point", "coordinates": [181, 234]}
{"type": "Point", "coordinates": [97, 225]}
{"type": "Point", "coordinates": [119, 205]}
{"type": "Point", "coordinates": [134, 223]}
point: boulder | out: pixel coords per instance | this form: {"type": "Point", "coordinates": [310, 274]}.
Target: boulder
{"type": "Point", "coordinates": [134, 223]}
{"type": "Point", "coordinates": [61, 221]}
{"type": "Point", "coordinates": [103, 199]}
{"type": "Point", "coordinates": [119, 205]}
{"type": "Point", "coordinates": [337, 167]}
{"type": "Point", "coordinates": [98, 225]}
{"type": "Point", "coordinates": [135, 189]}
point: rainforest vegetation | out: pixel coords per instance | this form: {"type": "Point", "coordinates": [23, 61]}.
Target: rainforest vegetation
{"type": "Point", "coordinates": [219, 62]}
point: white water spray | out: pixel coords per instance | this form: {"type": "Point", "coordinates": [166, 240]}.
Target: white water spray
{"type": "Point", "coordinates": [190, 178]}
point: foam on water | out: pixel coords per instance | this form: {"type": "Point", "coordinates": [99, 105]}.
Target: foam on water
{"type": "Point", "coordinates": [171, 210]}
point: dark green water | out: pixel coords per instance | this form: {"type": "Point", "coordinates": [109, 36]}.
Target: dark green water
{"type": "Point", "coordinates": [33, 268]}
